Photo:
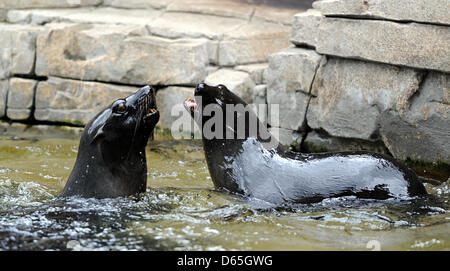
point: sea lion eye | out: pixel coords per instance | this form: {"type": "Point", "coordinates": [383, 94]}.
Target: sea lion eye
{"type": "Point", "coordinates": [120, 107]}
{"type": "Point", "coordinates": [221, 87]}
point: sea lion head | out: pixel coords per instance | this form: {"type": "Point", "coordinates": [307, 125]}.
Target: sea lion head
{"type": "Point", "coordinates": [111, 158]}
{"type": "Point", "coordinates": [228, 114]}
{"type": "Point", "coordinates": [128, 122]}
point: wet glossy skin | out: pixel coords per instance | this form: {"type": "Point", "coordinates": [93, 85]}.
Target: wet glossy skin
{"type": "Point", "coordinates": [111, 158]}
{"type": "Point", "coordinates": [279, 176]}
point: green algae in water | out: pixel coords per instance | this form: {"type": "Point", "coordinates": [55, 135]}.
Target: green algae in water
{"type": "Point", "coordinates": [182, 211]}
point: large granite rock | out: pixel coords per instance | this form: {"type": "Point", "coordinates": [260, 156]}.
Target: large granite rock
{"type": "Point", "coordinates": [428, 11]}
{"type": "Point", "coordinates": [422, 132]}
{"type": "Point", "coordinates": [238, 82]}
{"type": "Point", "coordinates": [18, 49]}
{"type": "Point", "coordinates": [351, 96]}
{"type": "Point", "coordinates": [4, 85]}
{"type": "Point", "coordinates": [74, 102]}
{"type": "Point", "coordinates": [20, 98]}
{"type": "Point", "coordinates": [305, 28]}
{"type": "Point", "coordinates": [113, 53]}
{"type": "Point", "coordinates": [18, 4]}
{"type": "Point", "coordinates": [414, 45]}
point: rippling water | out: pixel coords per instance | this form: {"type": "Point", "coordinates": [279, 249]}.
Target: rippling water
{"type": "Point", "coordinates": [181, 210]}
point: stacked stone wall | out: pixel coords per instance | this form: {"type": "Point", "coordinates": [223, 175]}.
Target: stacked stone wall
{"type": "Point", "coordinates": [367, 74]}
{"type": "Point", "coordinates": [62, 61]}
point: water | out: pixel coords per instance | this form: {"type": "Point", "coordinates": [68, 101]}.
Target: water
{"type": "Point", "coordinates": [181, 210]}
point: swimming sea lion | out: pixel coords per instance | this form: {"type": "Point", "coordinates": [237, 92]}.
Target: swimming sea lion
{"type": "Point", "coordinates": [244, 166]}
{"type": "Point", "coordinates": [111, 158]}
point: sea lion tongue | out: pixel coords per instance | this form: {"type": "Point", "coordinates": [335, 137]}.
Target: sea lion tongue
{"type": "Point", "coordinates": [191, 104]}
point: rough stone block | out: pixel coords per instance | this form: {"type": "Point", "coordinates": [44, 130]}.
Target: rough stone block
{"type": "Point", "coordinates": [75, 102]}
{"type": "Point", "coordinates": [305, 28]}
{"type": "Point", "coordinates": [18, 114]}
{"type": "Point", "coordinates": [413, 45]}
{"type": "Point", "coordinates": [238, 82]}
{"type": "Point", "coordinates": [291, 109]}
{"type": "Point", "coordinates": [289, 78]}
{"type": "Point", "coordinates": [428, 11]}
{"type": "Point", "coordinates": [21, 93]}
{"type": "Point", "coordinates": [252, 43]}
{"type": "Point", "coordinates": [20, 98]}
{"type": "Point", "coordinates": [422, 132]}
{"type": "Point", "coordinates": [352, 94]}
{"type": "Point", "coordinates": [111, 53]}
{"type": "Point", "coordinates": [18, 48]}
{"type": "Point", "coordinates": [292, 70]}
{"type": "Point", "coordinates": [255, 70]}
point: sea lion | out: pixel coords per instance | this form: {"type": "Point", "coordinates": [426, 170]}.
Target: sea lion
{"type": "Point", "coordinates": [111, 158]}
{"type": "Point", "coordinates": [244, 166]}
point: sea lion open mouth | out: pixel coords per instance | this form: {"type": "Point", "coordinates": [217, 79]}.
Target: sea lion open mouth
{"type": "Point", "coordinates": [111, 158]}
{"type": "Point", "coordinates": [190, 104]}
